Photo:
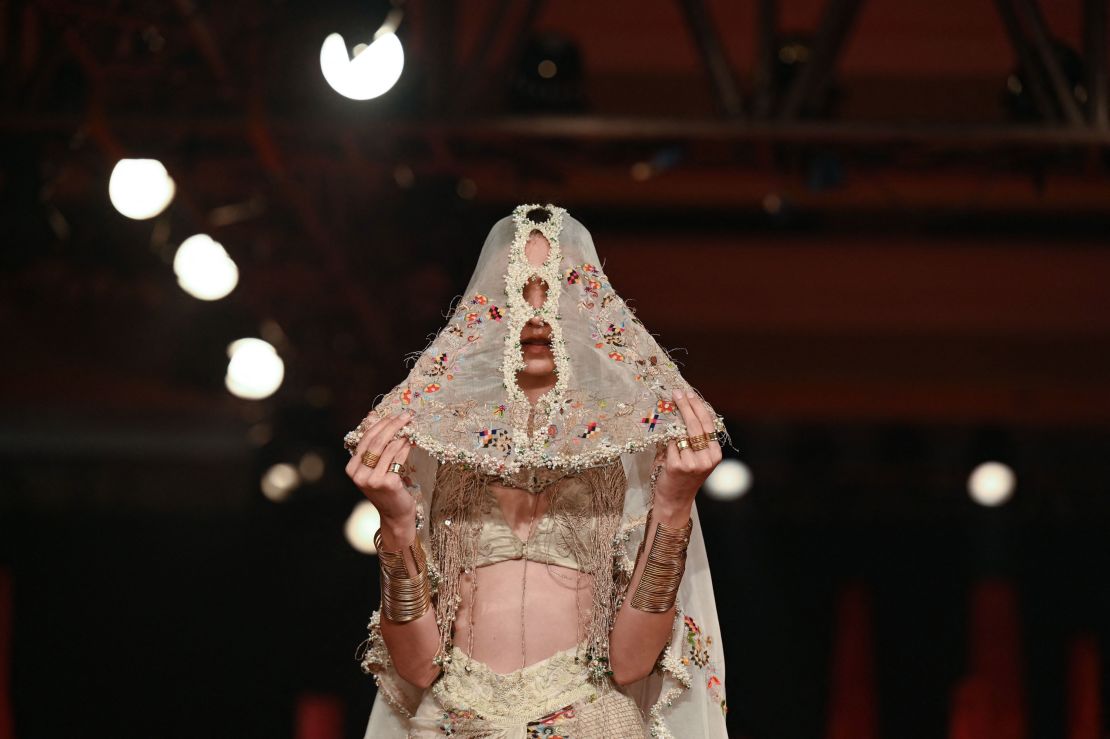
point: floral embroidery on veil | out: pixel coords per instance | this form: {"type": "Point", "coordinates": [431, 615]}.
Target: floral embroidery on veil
{"type": "Point", "coordinates": [583, 421]}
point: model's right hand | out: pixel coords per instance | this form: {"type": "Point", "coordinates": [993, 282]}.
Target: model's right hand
{"type": "Point", "coordinates": [383, 488]}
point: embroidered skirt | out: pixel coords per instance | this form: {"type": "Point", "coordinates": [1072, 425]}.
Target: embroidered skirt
{"type": "Point", "coordinates": [552, 699]}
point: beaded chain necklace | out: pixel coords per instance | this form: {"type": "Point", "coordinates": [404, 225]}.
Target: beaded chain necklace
{"type": "Point", "coordinates": [523, 592]}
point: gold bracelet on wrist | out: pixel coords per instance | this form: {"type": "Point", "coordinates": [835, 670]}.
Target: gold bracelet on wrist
{"type": "Point", "coordinates": [657, 589]}
{"type": "Point", "coordinates": [404, 598]}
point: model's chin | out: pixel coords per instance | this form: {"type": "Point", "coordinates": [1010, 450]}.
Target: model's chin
{"type": "Point", "coordinates": [537, 367]}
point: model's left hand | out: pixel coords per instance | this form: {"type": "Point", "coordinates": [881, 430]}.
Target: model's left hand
{"type": "Point", "coordinates": [685, 470]}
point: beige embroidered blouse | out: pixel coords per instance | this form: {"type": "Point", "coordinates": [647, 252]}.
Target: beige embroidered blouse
{"type": "Point", "coordinates": [552, 541]}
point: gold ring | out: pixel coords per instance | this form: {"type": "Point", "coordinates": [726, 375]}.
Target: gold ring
{"type": "Point", "coordinates": [370, 459]}
{"type": "Point", "coordinates": [706, 437]}
{"type": "Point", "coordinates": [698, 444]}
{"type": "Point", "coordinates": [683, 443]}
{"type": "Point", "coordinates": [396, 467]}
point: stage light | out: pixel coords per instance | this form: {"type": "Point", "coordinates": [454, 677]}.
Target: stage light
{"type": "Point", "coordinates": [466, 188]}
{"type": "Point", "coordinates": [548, 75]}
{"type": "Point", "coordinates": [204, 269]}
{"type": "Point", "coordinates": [361, 526]}
{"type": "Point", "coordinates": [404, 176]}
{"type": "Point", "coordinates": [371, 72]}
{"type": "Point", "coordinates": [140, 188]}
{"type": "Point", "coordinates": [729, 480]}
{"type": "Point", "coordinates": [280, 480]}
{"type": "Point", "coordinates": [793, 54]}
{"type": "Point", "coordinates": [311, 466]}
{"type": "Point", "coordinates": [254, 369]}
{"type": "Point", "coordinates": [991, 484]}
{"type": "Point", "coordinates": [772, 203]}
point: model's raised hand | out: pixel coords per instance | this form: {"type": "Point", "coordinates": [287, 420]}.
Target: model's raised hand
{"type": "Point", "coordinates": [684, 470]}
{"type": "Point", "coordinates": [383, 488]}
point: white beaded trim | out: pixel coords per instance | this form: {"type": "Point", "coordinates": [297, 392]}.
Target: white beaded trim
{"type": "Point", "coordinates": [672, 663]}
{"type": "Point", "coordinates": [527, 457]}
{"type": "Point", "coordinates": [519, 271]}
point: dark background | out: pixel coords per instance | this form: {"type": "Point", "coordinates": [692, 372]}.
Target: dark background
{"type": "Point", "coordinates": [875, 234]}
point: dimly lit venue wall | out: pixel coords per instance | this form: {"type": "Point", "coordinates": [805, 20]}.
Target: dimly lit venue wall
{"type": "Point", "coordinates": [875, 235]}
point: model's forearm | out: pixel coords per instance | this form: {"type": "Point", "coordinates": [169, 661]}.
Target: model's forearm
{"type": "Point", "coordinates": [412, 647]}
{"type": "Point", "coordinates": [413, 644]}
{"type": "Point", "coordinates": [638, 637]}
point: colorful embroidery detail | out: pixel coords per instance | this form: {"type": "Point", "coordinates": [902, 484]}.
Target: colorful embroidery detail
{"type": "Point", "coordinates": [548, 726]}
{"type": "Point", "coordinates": [696, 647]}
{"type": "Point", "coordinates": [697, 653]}
{"type": "Point", "coordinates": [494, 439]}
{"type": "Point", "coordinates": [450, 720]}
{"type": "Point", "coordinates": [614, 335]}
{"type": "Point", "coordinates": [591, 429]}
{"type": "Point", "coordinates": [439, 365]}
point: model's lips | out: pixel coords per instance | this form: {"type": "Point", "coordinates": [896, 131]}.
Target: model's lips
{"type": "Point", "coordinates": [536, 345]}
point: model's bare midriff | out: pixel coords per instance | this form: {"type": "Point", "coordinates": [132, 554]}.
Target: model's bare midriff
{"type": "Point", "coordinates": [557, 600]}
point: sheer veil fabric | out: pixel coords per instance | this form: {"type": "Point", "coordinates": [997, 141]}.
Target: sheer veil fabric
{"type": "Point", "coordinates": [611, 400]}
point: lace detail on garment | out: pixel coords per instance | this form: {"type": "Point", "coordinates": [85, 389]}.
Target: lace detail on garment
{"type": "Point", "coordinates": [483, 704]}
{"type": "Point", "coordinates": [520, 697]}
{"type": "Point", "coordinates": [374, 659]}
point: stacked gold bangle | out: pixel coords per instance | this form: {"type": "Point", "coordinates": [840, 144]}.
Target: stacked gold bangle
{"type": "Point", "coordinates": [404, 598]}
{"type": "Point", "coordinates": [658, 586]}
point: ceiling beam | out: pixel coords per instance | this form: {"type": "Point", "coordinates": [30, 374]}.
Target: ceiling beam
{"type": "Point", "coordinates": [714, 60]}
{"type": "Point", "coordinates": [815, 75]}
{"type": "Point", "coordinates": [1030, 13]}
{"type": "Point", "coordinates": [588, 128]}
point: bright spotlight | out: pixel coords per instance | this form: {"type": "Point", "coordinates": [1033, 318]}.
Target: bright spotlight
{"type": "Point", "coordinates": [372, 71]}
{"type": "Point", "coordinates": [280, 480]}
{"type": "Point", "coordinates": [140, 188]}
{"type": "Point", "coordinates": [361, 526]}
{"type": "Point", "coordinates": [729, 481]}
{"type": "Point", "coordinates": [991, 484]}
{"type": "Point", "coordinates": [254, 369]}
{"type": "Point", "coordinates": [204, 269]}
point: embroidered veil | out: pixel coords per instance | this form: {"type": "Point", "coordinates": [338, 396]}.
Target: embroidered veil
{"type": "Point", "coordinates": [611, 400]}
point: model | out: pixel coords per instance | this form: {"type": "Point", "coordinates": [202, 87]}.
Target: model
{"type": "Point", "coordinates": [542, 567]}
